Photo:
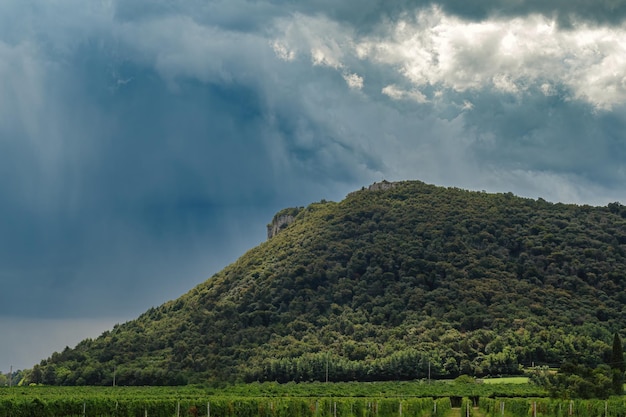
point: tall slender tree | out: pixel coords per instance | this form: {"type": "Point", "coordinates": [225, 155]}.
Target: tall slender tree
{"type": "Point", "coordinates": [617, 365]}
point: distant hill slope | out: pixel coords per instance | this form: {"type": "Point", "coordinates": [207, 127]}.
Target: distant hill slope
{"type": "Point", "coordinates": [393, 281]}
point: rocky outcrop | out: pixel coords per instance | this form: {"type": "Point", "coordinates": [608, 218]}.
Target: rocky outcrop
{"type": "Point", "coordinates": [278, 224]}
{"type": "Point", "coordinates": [378, 186]}
{"type": "Point", "coordinates": [382, 186]}
{"type": "Point", "coordinates": [285, 217]}
{"type": "Point", "coordinates": [281, 220]}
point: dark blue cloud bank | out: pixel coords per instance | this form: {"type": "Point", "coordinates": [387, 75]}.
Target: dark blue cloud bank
{"type": "Point", "coordinates": [145, 144]}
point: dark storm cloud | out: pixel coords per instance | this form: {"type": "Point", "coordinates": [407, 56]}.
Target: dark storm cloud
{"type": "Point", "coordinates": [143, 157]}
{"type": "Point", "coordinates": [364, 15]}
{"type": "Point", "coordinates": [546, 133]}
{"type": "Point", "coordinates": [565, 11]}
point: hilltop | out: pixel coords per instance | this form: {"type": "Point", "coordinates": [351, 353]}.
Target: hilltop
{"type": "Point", "coordinates": [395, 281]}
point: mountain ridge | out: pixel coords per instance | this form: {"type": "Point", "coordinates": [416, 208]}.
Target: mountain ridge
{"type": "Point", "coordinates": [395, 279]}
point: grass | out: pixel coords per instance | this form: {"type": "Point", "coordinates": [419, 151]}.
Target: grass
{"type": "Point", "coordinates": [507, 380]}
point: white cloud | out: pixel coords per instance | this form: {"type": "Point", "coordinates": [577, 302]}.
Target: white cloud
{"type": "Point", "coordinates": [504, 83]}
{"type": "Point", "coordinates": [326, 42]}
{"type": "Point", "coordinates": [283, 52]}
{"type": "Point", "coordinates": [548, 89]}
{"type": "Point", "coordinates": [325, 57]}
{"type": "Point", "coordinates": [396, 93]}
{"type": "Point", "coordinates": [510, 56]}
{"type": "Point", "coordinates": [354, 81]}
{"type": "Point", "coordinates": [467, 105]}
{"type": "Point", "coordinates": [507, 55]}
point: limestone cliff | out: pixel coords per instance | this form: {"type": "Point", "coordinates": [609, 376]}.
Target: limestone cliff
{"type": "Point", "coordinates": [382, 186]}
{"type": "Point", "coordinates": [285, 217]}
{"type": "Point", "coordinates": [378, 186]}
{"type": "Point", "coordinates": [281, 220]}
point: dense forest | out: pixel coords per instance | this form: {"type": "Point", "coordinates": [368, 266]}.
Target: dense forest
{"type": "Point", "coordinates": [398, 281]}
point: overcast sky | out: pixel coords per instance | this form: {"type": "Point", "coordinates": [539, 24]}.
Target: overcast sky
{"type": "Point", "coordinates": [145, 145]}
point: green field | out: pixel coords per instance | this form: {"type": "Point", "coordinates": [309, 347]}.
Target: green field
{"type": "Point", "coordinates": [507, 380]}
{"type": "Point", "coordinates": [386, 399]}
{"type": "Point", "coordinates": [403, 389]}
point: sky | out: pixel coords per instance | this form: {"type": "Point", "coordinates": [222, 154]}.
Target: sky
{"type": "Point", "coordinates": [145, 145]}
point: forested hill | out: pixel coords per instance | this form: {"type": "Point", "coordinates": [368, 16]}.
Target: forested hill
{"type": "Point", "coordinates": [379, 286]}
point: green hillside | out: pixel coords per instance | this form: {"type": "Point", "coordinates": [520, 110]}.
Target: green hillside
{"type": "Point", "coordinates": [389, 283]}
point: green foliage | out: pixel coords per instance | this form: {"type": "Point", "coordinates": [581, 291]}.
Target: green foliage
{"type": "Point", "coordinates": [518, 407]}
{"type": "Point", "coordinates": [44, 401]}
{"type": "Point", "coordinates": [617, 365]}
{"type": "Point", "coordinates": [384, 285]}
{"type": "Point", "coordinates": [388, 399]}
{"type": "Point", "coordinates": [578, 381]}
{"type": "Point", "coordinates": [465, 379]}
{"type": "Point", "coordinates": [290, 400]}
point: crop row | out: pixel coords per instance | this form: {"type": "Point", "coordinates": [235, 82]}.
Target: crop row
{"type": "Point", "coordinates": [525, 407]}
{"type": "Point", "coordinates": [405, 389]}
{"type": "Point", "coordinates": [224, 407]}
{"type": "Point", "coordinates": [307, 407]}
